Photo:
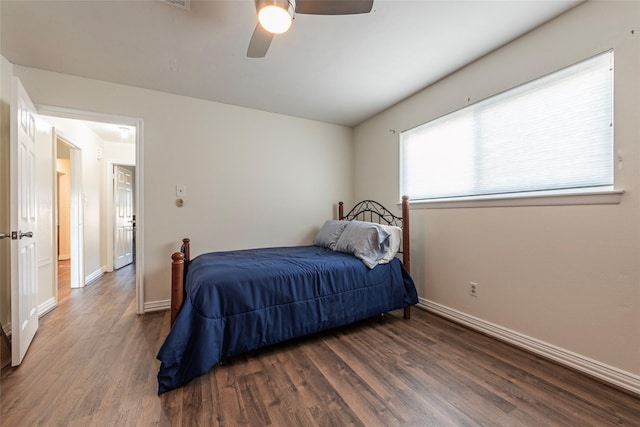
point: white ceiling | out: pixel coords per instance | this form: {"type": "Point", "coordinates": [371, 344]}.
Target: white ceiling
{"type": "Point", "coordinates": [335, 69]}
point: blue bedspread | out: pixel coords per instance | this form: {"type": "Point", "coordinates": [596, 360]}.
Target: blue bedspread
{"type": "Point", "coordinates": [238, 301]}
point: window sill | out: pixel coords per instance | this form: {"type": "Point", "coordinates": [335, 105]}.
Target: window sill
{"type": "Point", "coordinates": [550, 198]}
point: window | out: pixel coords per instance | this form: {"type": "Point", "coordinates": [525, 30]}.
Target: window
{"type": "Point", "coordinates": [552, 134]}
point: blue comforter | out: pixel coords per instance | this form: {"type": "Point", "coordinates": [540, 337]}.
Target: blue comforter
{"type": "Point", "coordinates": [238, 301]}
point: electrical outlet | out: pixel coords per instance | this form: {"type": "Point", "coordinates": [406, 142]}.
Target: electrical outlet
{"type": "Point", "coordinates": [473, 289]}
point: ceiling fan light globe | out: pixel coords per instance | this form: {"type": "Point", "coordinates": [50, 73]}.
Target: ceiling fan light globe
{"type": "Point", "coordinates": [274, 19]}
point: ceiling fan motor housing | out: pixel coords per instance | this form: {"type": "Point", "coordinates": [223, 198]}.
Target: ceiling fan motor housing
{"type": "Point", "coordinates": [287, 5]}
{"type": "Point", "coordinates": [261, 38]}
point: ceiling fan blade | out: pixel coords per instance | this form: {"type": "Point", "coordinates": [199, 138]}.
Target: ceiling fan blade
{"type": "Point", "coordinates": [333, 7]}
{"type": "Point", "coordinates": [260, 42]}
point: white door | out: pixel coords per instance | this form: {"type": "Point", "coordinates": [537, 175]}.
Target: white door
{"type": "Point", "coordinates": [123, 202]}
{"type": "Point", "coordinates": [24, 279]}
{"type": "Point", "coordinates": [45, 190]}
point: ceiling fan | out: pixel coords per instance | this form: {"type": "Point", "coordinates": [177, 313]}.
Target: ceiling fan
{"type": "Point", "coordinates": [275, 16]}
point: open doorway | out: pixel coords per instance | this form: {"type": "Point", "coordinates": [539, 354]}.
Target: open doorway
{"type": "Point", "coordinates": [63, 222]}
{"type": "Point", "coordinates": [102, 141]}
{"type": "Point", "coordinates": [69, 213]}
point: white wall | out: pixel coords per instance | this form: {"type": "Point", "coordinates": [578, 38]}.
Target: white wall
{"type": "Point", "coordinates": [568, 276]}
{"type": "Point", "coordinates": [252, 178]}
{"type": "Point", "coordinates": [120, 152]}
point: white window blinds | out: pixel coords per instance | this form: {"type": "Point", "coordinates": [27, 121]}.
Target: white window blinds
{"type": "Point", "coordinates": [553, 133]}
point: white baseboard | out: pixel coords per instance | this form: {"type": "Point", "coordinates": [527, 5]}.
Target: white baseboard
{"type": "Point", "coordinates": [95, 275]}
{"type": "Point", "coordinates": [7, 329]}
{"type": "Point", "coordinates": [151, 306]}
{"type": "Point", "coordinates": [47, 306]}
{"type": "Point", "coordinates": [609, 374]}
{"type": "Point", "coordinates": [64, 257]}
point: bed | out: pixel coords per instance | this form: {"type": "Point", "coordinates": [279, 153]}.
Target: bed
{"type": "Point", "coordinates": [228, 303]}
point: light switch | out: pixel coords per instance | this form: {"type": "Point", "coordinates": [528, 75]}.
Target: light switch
{"type": "Point", "coordinates": [181, 190]}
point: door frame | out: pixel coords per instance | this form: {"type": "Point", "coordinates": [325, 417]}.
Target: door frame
{"type": "Point", "coordinates": [138, 123]}
{"type": "Point", "coordinates": [76, 212]}
{"type": "Point", "coordinates": [111, 225]}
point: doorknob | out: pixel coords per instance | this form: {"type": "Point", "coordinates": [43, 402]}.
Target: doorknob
{"type": "Point", "coordinates": [5, 236]}
{"type": "Point", "coordinates": [27, 234]}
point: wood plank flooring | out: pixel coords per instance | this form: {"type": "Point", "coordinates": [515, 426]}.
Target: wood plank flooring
{"type": "Point", "coordinates": [64, 281]}
{"type": "Point", "coordinates": [93, 364]}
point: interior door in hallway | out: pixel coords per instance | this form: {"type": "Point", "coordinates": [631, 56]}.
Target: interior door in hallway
{"type": "Point", "coordinates": [124, 226]}
{"type": "Point", "coordinates": [24, 273]}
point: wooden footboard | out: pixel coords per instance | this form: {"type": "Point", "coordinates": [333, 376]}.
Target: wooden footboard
{"type": "Point", "coordinates": [180, 260]}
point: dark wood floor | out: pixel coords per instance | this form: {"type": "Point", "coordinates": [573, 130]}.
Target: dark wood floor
{"type": "Point", "coordinates": [64, 281]}
{"type": "Point", "coordinates": [93, 364]}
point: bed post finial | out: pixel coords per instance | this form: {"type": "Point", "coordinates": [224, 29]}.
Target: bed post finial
{"type": "Point", "coordinates": [340, 211]}
{"type": "Point", "coordinates": [187, 249]}
{"type": "Point", "coordinates": [177, 284]}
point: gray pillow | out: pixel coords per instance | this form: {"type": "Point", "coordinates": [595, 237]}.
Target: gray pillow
{"type": "Point", "coordinates": [329, 234]}
{"type": "Point", "coordinates": [366, 240]}
{"type": "Point", "coordinates": [395, 239]}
